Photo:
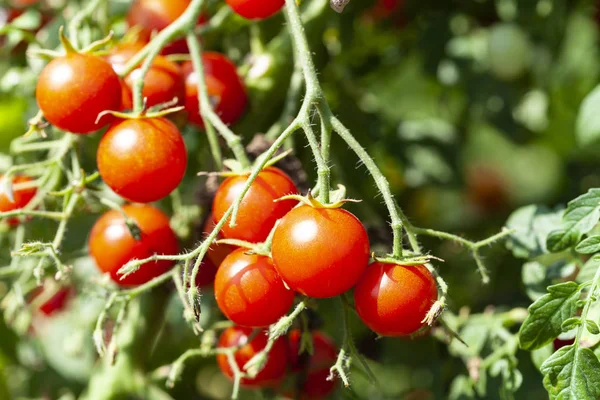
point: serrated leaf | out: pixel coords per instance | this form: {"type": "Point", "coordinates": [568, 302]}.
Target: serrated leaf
{"type": "Point", "coordinates": [572, 373]}
{"type": "Point", "coordinates": [570, 323]}
{"type": "Point", "coordinates": [581, 216]}
{"type": "Point", "coordinates": [587, 129]}
{"type": "Point", "coordinates": [592, 327]}
{"type": "Point", "coordinates": [589, 245]}
{"type": "Point", "coordinates": [531, 225]}
{"type": "Point", "coordinates": [546, 315]}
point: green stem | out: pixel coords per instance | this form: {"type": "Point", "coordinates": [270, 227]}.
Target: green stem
{"type": "Point", "coordinates": [82, 15]}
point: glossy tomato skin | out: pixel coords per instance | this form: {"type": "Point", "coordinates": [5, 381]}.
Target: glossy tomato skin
{"type": "Point", "coordinates": [142, 160]}
{"type": "Point", "coordinates": [163, 82]}
{"type": "Point", "coordinates": [72, 90]}
{"type": "Point", "coordinates": [315, 385]}
{"type": "Point", "coordinates": [256, 9]}
{"type": "Point", "coordinates": [111, 244]}
{"type": "Point", "coordinates": [393, 300]}
{"type": "Point", "coordinates": [258, 212]}
{"type": "Point", "coordinates": [155, 15]}
{"type": "Point", "coordinates": [320, 252]}
{"type": "Point", "coordinates": [225, 89]}
{"type": "Point", "coordinates": [249, 291]}
{"type": "Point", "coordinates": [275, 368]}
{"type": "Point", "coordinates": [21, 197]}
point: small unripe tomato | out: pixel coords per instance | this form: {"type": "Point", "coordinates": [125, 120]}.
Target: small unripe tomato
{"type": "Point", "coordinates": [256, 9]}
{"type": "Point", "coordinates": [393, 300]}
{"type": "Point", "coordinates": [142, 160]}
{"type": "Point", "coordinates": [315, 385]}
{"type": "Point", "coordinates": [73, 90]}
{"type": "Point", "coordinates": [163, 82]}
{"type": "Point", "coordinates": [275, 367]}
{"type": "Point", "coordinates": [320, 252]}
{"type": "Point", "coordinates": [111, 244]}
{"type": "Point", "coordinates": [258, 211]}
{"type": "Point", "coordinates": [155, 15]}
{"type": "Point", "coordinates": [249, 291]}
{"type": "Point", "coordinates": [21, 196]}
{"type": "Point", "coordinates": [225, 89]}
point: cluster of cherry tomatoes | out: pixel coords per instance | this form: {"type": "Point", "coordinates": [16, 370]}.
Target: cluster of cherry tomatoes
{"type": "Point", "coordinates": [316, 250]}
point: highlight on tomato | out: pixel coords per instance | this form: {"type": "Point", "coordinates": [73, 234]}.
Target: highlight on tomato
{"type": "Point", "coordinates": [112, 245]}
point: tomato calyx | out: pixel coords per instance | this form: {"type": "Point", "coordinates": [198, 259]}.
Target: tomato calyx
{"type": "Point", "coordinates": [93, 48]}
{"type": "Point", "coordinates": [311, 201]}
{"type": "Point", "coordinates": [262, 249]}
{"type": "Point", "coordinates": [159, 111]}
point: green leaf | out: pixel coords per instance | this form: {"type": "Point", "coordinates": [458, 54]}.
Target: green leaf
{"type": "Point", "coordinates": [531, 225]}
{"type": "Point", "coordinates": [537, 276]}
{"type": "Point", "coordinates": [592, 327]}
{"type": "Point", "coordinates": [461, 388]}
{"type": "Point", "coordinates": [570, 323]}
{"type": "Point", "coordinates": [538, 356]}
{"type": "Point", "coordinates": [589, 245]}
{"type": "Point", "coordinates": [572, 373]}
{"type": "Point", "coordinates": [587, 272]}
{"type": "Point", "coordinates": [587, 129]}
{"type": "Point", "coordinates": [546, 315]}
{"type": "Point", "coordinates": [581, 216]}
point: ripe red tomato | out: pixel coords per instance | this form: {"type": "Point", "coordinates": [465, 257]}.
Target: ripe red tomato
{"type": "Point", "coordinates": [111, 244]}
{"type": "Point", "coordinates": [315, 385]}
{"type": "Point", "coordinates": [320, 252]}
{"type": "Point", "coordinates": [225, 89]}
{"type": "Point", "coordinates": [142, 160]}
{"type": "Point", "coordinates": [155, 15]}
{"type": "Point", "coordinates": [72, 90]}
{"type": "Point", "coordinates": [249, 291]}
{"type": "Point", "coordinates": [275, 367]}
{"type": "Point", "coordinates": [54, 304]}
{"type": "Point", "coordinates": [214, 256]}
{"type": "Point", "coordinates": [256, 9]}
{"type": "Point", "coordinates": [258, 212]}
{"type": "Point", "coordinates": [393, 300]}
{"type": "Point", "coordinates": [163, 82]}
{"type": "Point", "coordinates": [21, 197]}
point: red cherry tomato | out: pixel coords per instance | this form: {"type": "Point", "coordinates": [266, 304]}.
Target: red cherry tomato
{"type": "Point", "coordinates": [163, 82]}
{"type": "Point", "coordinates": [320, 252]}
{"type": "Point", "coordinates": [315, 384]}
{"type": "Point", "coordinates": [214, 256]}
{"type": "Point", "coordinates": [155, 15]}
{"type": "Point", "coordinates": [225, 89]}
{"type": "Point", "coordinates": [72, 90]}
{"type": "Point", "coordinates": [256, 9]}
{"type": "Point", "coordinates": [277, 361]}
{"type": "Point", "coordinates": [142, 160]}
{"type": "Point", "coordinates": [258, 212]}
{"type": "Point", "coordinates": [111, 244]}
{"type": "Point", "coordinates": [393, 300]}
{"type": "Point", "coordinates": [57, 302]}
{"type": "Point", "coordinates": [21, 197]}
{"type": "Point", "coordinates": [249, 291]}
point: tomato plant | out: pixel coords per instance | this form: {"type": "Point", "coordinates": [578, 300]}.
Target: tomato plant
{"type": "Point", "coordinates": [249, 291]}
{"type": "Point", "coordinates": [275, 367]}
{"type": "Point", "coordinates": [258, 210]}
{"type": "Point", "coordinates": [20, 196]}
{"type": "Point", "coordinates": [225, 89]}
{"type": "Point", "coordinates": [73, 90]}
{"type": "Point", "coordinates": [331, 245]}
{"type": "Point", "coordinates": [152, 152]}
{"type": "Point", "coordinates": [112, 244]}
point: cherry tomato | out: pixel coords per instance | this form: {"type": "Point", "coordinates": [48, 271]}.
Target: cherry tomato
{"type": "Point", "coordinates": [393, 300]}
{"type": "Point", "coordinates": [142, 160]}
{"type": "Point", "coordinates": [315, 384]}
{"type": "Point", "coordinates": [55, 303]}
{"type": "Point", "coordinates": [277, 361]}
{"type": "Point", "coordinates": [214, 256]}
{"type": "Point", "coordinates": [256, 9]}
{"type": "Point", "coordinates": [111, 244]}
{"type": "Point", "coordinates": [225, 89]}
{"type": "Point", "coordinates": [155, 15]}
{"type": "Point", "coordinates": [73, 89]}
{"type": "Point", "coordinates": [163, 82]}
{"type": "Point", "coordinates": [21, 197]}
{"type": "Point", "coordinates": [320, 252]}
{"type": "Point", "coordinates": [249, 291]}
{"type": "Point", "coordinates": [258, 212]}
